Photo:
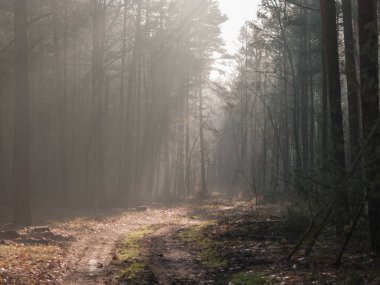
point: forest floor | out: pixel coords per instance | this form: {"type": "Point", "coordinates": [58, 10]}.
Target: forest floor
{"type": "Point", "coordinates": [217, 242]}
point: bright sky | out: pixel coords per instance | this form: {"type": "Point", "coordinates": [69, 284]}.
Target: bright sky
{"type": "Point", "coordinates": [238, 12]}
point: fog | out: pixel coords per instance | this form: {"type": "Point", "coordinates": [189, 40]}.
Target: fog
{"type": "Point", "coordinates": [120, 103]}
{"type": "Point", "coordinates": [115, 99]}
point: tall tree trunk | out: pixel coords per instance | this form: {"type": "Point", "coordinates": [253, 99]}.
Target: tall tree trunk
{"type": "Point", "coordinates": [58, 191]}
{"type": "Point", "coordinates": [181, 140]}
{"type": "Point", "coordinates": [244, 111]}
{"type": "Point", "coordinates": [312, 110]}
{"type": "Point", "coordinates": [352, 81]}
{"type": "Point", "coordinates": [330, 34]}
{"type": "Point", "coordinates": [187, 141]}
{"type": "Point", "coordinates": [304, 122]}
{"type": "Point", "coordinates": [122, 109]}
{"type": "Point", "coordinates": [286, 146]}
{"type": "Point", "coordinates": [98, 80]}
{"type": "Point", "coordinates": [328, 10]}
{"type": "Point", "coordinates": [22, 137]}
{"type": "Point", "coordinates": [203, 192]}
{"type": "Point", "coordinates": [166, 191]}
{"type": "Point", "coordinates": [264, 162]}
{"type": "Point", "coordinates": [324, 111]}
{"type": "Point", "coordinates": [63, 126]}
{"type": "Point", "coordinates": [137, 107]}
{"type": "Point", "coordinates": [60, 66]}
{"type": "Point", "coordinates": [368, 42]}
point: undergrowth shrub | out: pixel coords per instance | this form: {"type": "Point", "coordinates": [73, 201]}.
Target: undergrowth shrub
{"type": "Point", "coordinates": [297, 218]}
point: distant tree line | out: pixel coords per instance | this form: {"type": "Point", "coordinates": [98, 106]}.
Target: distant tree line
{"type": "Point", "coordinates": [302, 113]}
{"type": "Point", "coordinates": [102, 102]}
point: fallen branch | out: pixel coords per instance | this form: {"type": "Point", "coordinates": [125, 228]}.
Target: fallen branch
{"type": "Point", "coordinates": [267, 222]}
{"type": "Point", "coordinates": [349, 174]}
{"type": "Point", "coordinates": [352, 228]}
{"type": "Point", "coordinates": [308, 230]}
{"type": "Point", "coordinates": [318, 232]}
{"type": "Point", "coordinates": [259, 237]}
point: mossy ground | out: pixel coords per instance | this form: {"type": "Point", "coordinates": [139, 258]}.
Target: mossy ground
{"type": "Point", "coordinates": [252, 278]}
{"type": "Point", "coordinates": [207, 247]}
{"type": "Point", "coordinates": [131, 255]}
{"type": "Point", "coordinates": [247, 278]}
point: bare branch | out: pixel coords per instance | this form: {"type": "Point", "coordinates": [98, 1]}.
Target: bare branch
{"type": "Point", "coordinates": [303, 6]}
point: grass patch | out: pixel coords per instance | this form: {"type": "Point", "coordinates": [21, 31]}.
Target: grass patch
{"type": "Point", "coordinates": [132, 271]}
{"type": "Point", "coordinates": [130, 254]}
{"type": "Point", "coordinates": [130, 246]}
{"type": "Point", "coordinates": [247, 278]}
{"type": "Point", "coordinates": [251, 278]}
{"type": "Point", "coordinates": [208, 248]}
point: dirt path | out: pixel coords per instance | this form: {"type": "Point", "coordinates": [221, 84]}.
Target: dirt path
{"type": "Point", "coordinates": [170, 260]}
{"type": "Point", "coordinates": [79, 249]}
{"type": "Point", "coordinates": [88, 256]}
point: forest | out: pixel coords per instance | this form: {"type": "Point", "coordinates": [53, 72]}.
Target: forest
{"type": "Point", "coordinates": [135, 148]}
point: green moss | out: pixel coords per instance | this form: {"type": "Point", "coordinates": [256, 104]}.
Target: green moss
{"type": "Point", "coordinates": [132, 271]}
{"type": "Point", "coordinates": [250, 278]}
{"type": "Point", "coordinates": [130, 249]}
{"type": "Point", "coordinates": [247, 279]}
{"type": "Point", "coordinates": [210, 258]}
{"type": "Point", "coordinates": [207, 247]}
{"type": "Point", "coordinates": [194, 234]}
{"type": "Point", "coordinates": [130, 254]}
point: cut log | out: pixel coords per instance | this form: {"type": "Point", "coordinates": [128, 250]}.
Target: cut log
{"type": "Point", "coordinates": [40, 230]}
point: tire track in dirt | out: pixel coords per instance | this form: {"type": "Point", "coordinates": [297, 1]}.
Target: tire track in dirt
{"type": "Point", "coordinates": [170, 260]}
{"type": "Point", "coordinates": [87, 257]}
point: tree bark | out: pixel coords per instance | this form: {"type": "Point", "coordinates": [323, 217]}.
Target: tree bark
{"type": "Point", "coordinates": [202, 145]}
{"type": "Point", "coordinates": [352, 81]}
{"type": "Point", "coordinates": [22, 137]}
{"type": "Point", "coordinates": [368, 43]}
{"type": "Point", "coordinates": [328, 12]}
{"type": "Point", "coordinates": [98, 80]}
